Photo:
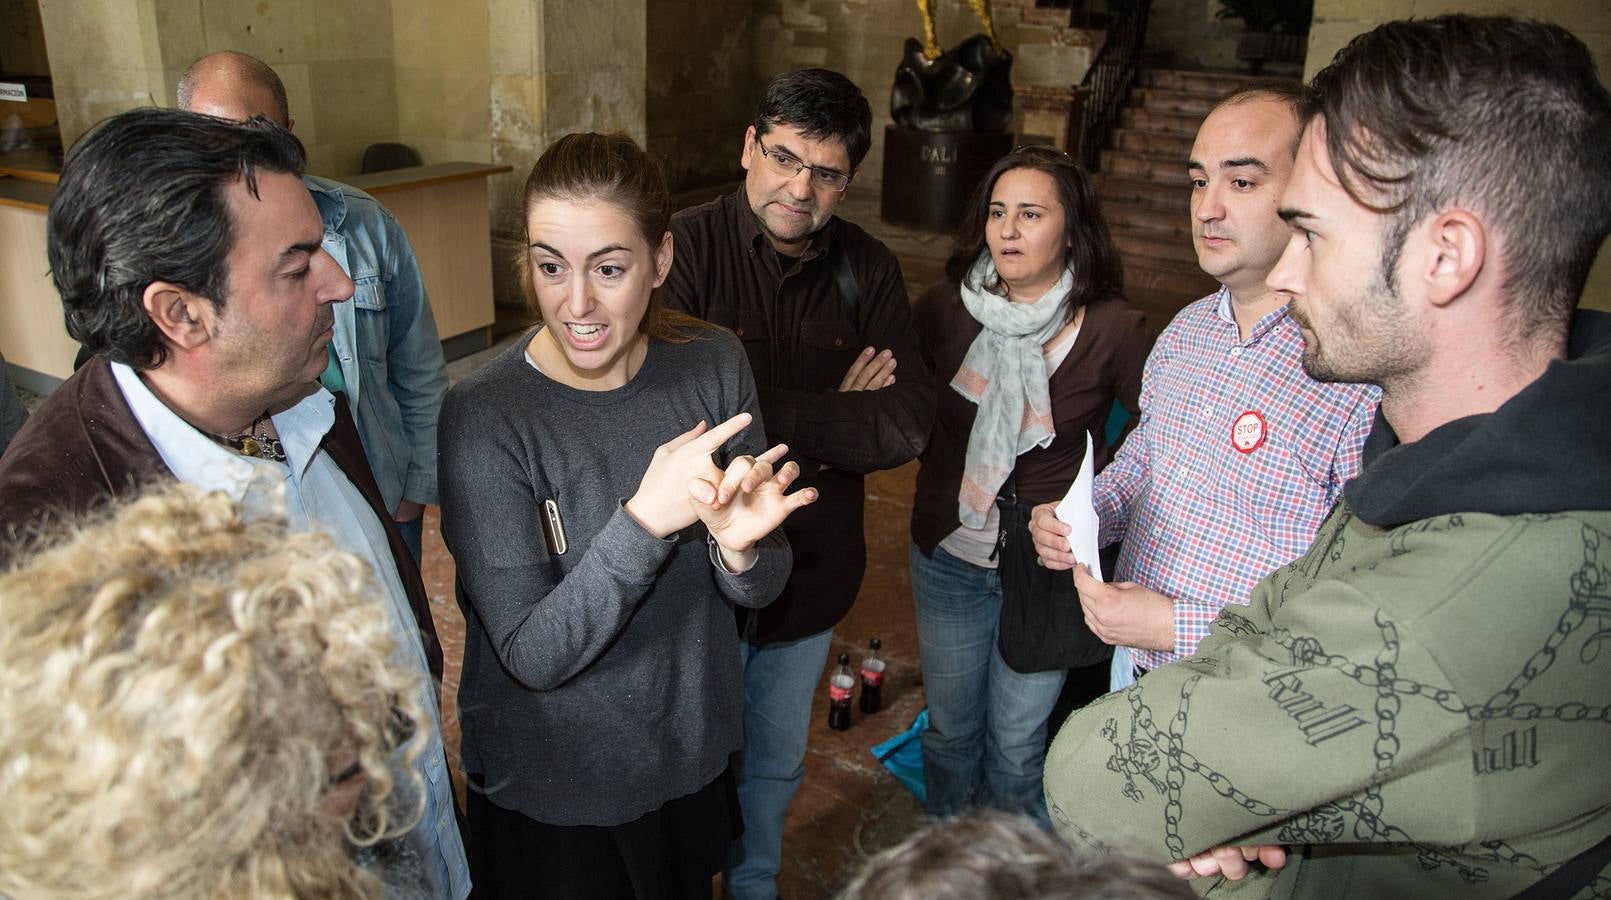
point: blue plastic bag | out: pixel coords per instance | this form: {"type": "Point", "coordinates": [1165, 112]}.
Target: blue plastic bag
{"type": "Point", "coordinates": [902, 755]}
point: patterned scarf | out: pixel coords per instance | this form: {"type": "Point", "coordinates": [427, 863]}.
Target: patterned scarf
{"type": "Point", "coordinates": [1005, 373]}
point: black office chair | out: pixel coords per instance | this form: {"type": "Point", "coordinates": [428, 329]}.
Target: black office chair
{"type": "Point", "coordinates": [384, 157]}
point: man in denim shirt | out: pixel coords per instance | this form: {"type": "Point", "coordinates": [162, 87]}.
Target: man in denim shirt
{"type": "Point", "coordinates": [386, 358]}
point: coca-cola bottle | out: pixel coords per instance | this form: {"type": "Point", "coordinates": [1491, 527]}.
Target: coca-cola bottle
{"type": "Point", "coordinates": [872, 679]}
{"type": "Point", "coordinates": [839, 687]}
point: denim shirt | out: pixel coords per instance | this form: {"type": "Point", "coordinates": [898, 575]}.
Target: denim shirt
{"type": "Point", "coordinates": [386, 341]}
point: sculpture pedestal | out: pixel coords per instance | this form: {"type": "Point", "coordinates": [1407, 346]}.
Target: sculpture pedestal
{"type": "Point", "coordinates": [929, 175]}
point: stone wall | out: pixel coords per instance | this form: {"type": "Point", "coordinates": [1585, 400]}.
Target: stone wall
{"type": "Point", "coordinates": [108, 56]}
{"type": "Point", "coordinates": [496, 80]}
{"type": "Point", "coordinates": [701, 88]}
{"type": "Point", "coordinates": [444, 78]}
{"type": "Point", "coordinates": [104, 59]}
{"type": "Point", "coordinates": [557, 66]}
{"type": "Point", "coordinates": [1336, 22]}
{"type": "Point", "coordinates": [1189, 34]}
{"type": "Point", "coordinates": [22, 38]}
{"type": "Point", "coordinates": [336, 60]}
{"type": "Point", "coordinates": [516, 132]}
{"type": "Point", "coordinates": [595, 65]}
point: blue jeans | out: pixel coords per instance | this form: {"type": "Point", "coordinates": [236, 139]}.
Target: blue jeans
{"type": "Point", "coordinates": [779, 681]}
{"type": "Point", "coordinates": [986, 742]}
{"type": "Point", "coordinates": [413, 532]}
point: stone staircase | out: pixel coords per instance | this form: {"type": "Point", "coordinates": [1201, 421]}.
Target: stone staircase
{"type": "Point", "coordinates": [1146, 193]}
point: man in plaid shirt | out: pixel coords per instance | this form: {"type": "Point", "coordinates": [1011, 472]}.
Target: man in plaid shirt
{"type": "Point", "coordinates": [1239, 455]}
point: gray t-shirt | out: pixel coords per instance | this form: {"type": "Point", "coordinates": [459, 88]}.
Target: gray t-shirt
{"type": "Point", "coordinates": [601, 683]}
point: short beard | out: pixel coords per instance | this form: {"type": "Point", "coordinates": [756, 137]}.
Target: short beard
{"type": "Point", "coordinates": [1389, 352]}
{"type": "Point", "coordinates": [783, 239]}
{"type": "Point", "coordinates": [776, 238]}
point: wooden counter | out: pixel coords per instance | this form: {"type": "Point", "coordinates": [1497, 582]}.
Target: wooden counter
{"type": "Point", "coordinates": [40, 175]}
{"type": "Point", "coordinates": [442, 208]}
{"type": "Point", "coordinates": [30, 195]}
{"type": "Point", "coordinates": [33, 336]}
{"type": "Point", "coordinates": [394, 180]}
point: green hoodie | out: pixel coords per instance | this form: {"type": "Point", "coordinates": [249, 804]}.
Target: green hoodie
{"type": "Point", "coordinates": [1417, 707]}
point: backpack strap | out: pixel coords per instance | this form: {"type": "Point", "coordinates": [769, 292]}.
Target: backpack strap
{"type": "Point", "coordinates": [849, 294]}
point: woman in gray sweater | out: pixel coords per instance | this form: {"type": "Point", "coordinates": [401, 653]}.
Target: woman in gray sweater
{"type": "Point", "coordinates": [600, 549]}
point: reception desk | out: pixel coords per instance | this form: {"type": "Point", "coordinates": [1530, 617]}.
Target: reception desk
{"type": "Point", "coordinates": [32, 336]}
{"type": "Point", "coordinates": [442, 208]}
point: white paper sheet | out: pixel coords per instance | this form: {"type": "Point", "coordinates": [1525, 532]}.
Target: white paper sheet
{"type": "Point", "coordinates": [1076, 511]}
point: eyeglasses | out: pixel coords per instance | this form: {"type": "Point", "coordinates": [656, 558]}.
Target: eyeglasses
{"type": "Point", "coordinates": [787, 166]}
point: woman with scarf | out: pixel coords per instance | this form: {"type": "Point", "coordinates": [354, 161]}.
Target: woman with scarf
{"type": "Point", "coordinates": [1031, 343]}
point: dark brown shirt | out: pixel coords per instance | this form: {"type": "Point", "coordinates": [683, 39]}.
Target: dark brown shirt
{"type": "Point", "coordinates": [791, 318]}
{"type": "Point", "coordinates": [1104, 365]}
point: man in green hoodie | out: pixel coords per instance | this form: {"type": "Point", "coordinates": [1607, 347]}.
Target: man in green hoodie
{"type": "Point", "coordinates": [1419, 706]}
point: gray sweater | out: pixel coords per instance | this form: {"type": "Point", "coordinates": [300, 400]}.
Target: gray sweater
{"type": "Point", "coordinates": [601, 683]}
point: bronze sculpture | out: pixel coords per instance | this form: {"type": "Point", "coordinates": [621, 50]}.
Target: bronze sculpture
{"type": "Point", "coordinates": [931, 45]}
{"type": "Point", "coordinates": [966, 88]}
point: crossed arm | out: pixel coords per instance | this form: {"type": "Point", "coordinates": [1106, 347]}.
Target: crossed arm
{"type": "Point", "coordinates": [874, 420]}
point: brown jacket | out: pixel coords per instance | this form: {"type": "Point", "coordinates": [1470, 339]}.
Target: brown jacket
{"type": "Point", "coordinates": [1104, 365]}
{"type": "Point", "coordinates": [84, 448]}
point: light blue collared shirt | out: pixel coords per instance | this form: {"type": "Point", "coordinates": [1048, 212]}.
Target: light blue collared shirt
{"type": "Point", "coordinates": [314, 493]}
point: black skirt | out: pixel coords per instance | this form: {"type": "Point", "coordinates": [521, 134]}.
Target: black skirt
{"type": "Point", "coordinates": [670, 853]}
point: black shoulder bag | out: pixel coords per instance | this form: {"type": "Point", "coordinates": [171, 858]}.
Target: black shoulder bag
{"type": "Point", "coordinates": [1042, 626]}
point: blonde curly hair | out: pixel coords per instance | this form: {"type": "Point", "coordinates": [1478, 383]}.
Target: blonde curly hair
{"type": "Point", "coordinates": [177, 688]}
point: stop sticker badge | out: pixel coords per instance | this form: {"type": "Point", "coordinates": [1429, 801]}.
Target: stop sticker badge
{"type": "Point", "coordinates": [1247, 433]}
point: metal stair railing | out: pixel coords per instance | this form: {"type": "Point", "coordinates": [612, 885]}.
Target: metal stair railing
{"type": "Point", "coordinates": [1114, 71]}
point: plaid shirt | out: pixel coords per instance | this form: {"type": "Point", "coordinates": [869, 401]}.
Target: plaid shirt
{"type": "Point", "coordinates": [1204, 517]}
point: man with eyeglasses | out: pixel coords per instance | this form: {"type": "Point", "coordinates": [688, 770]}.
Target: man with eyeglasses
{"type": "Point", "coordinates": [823, 314]}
